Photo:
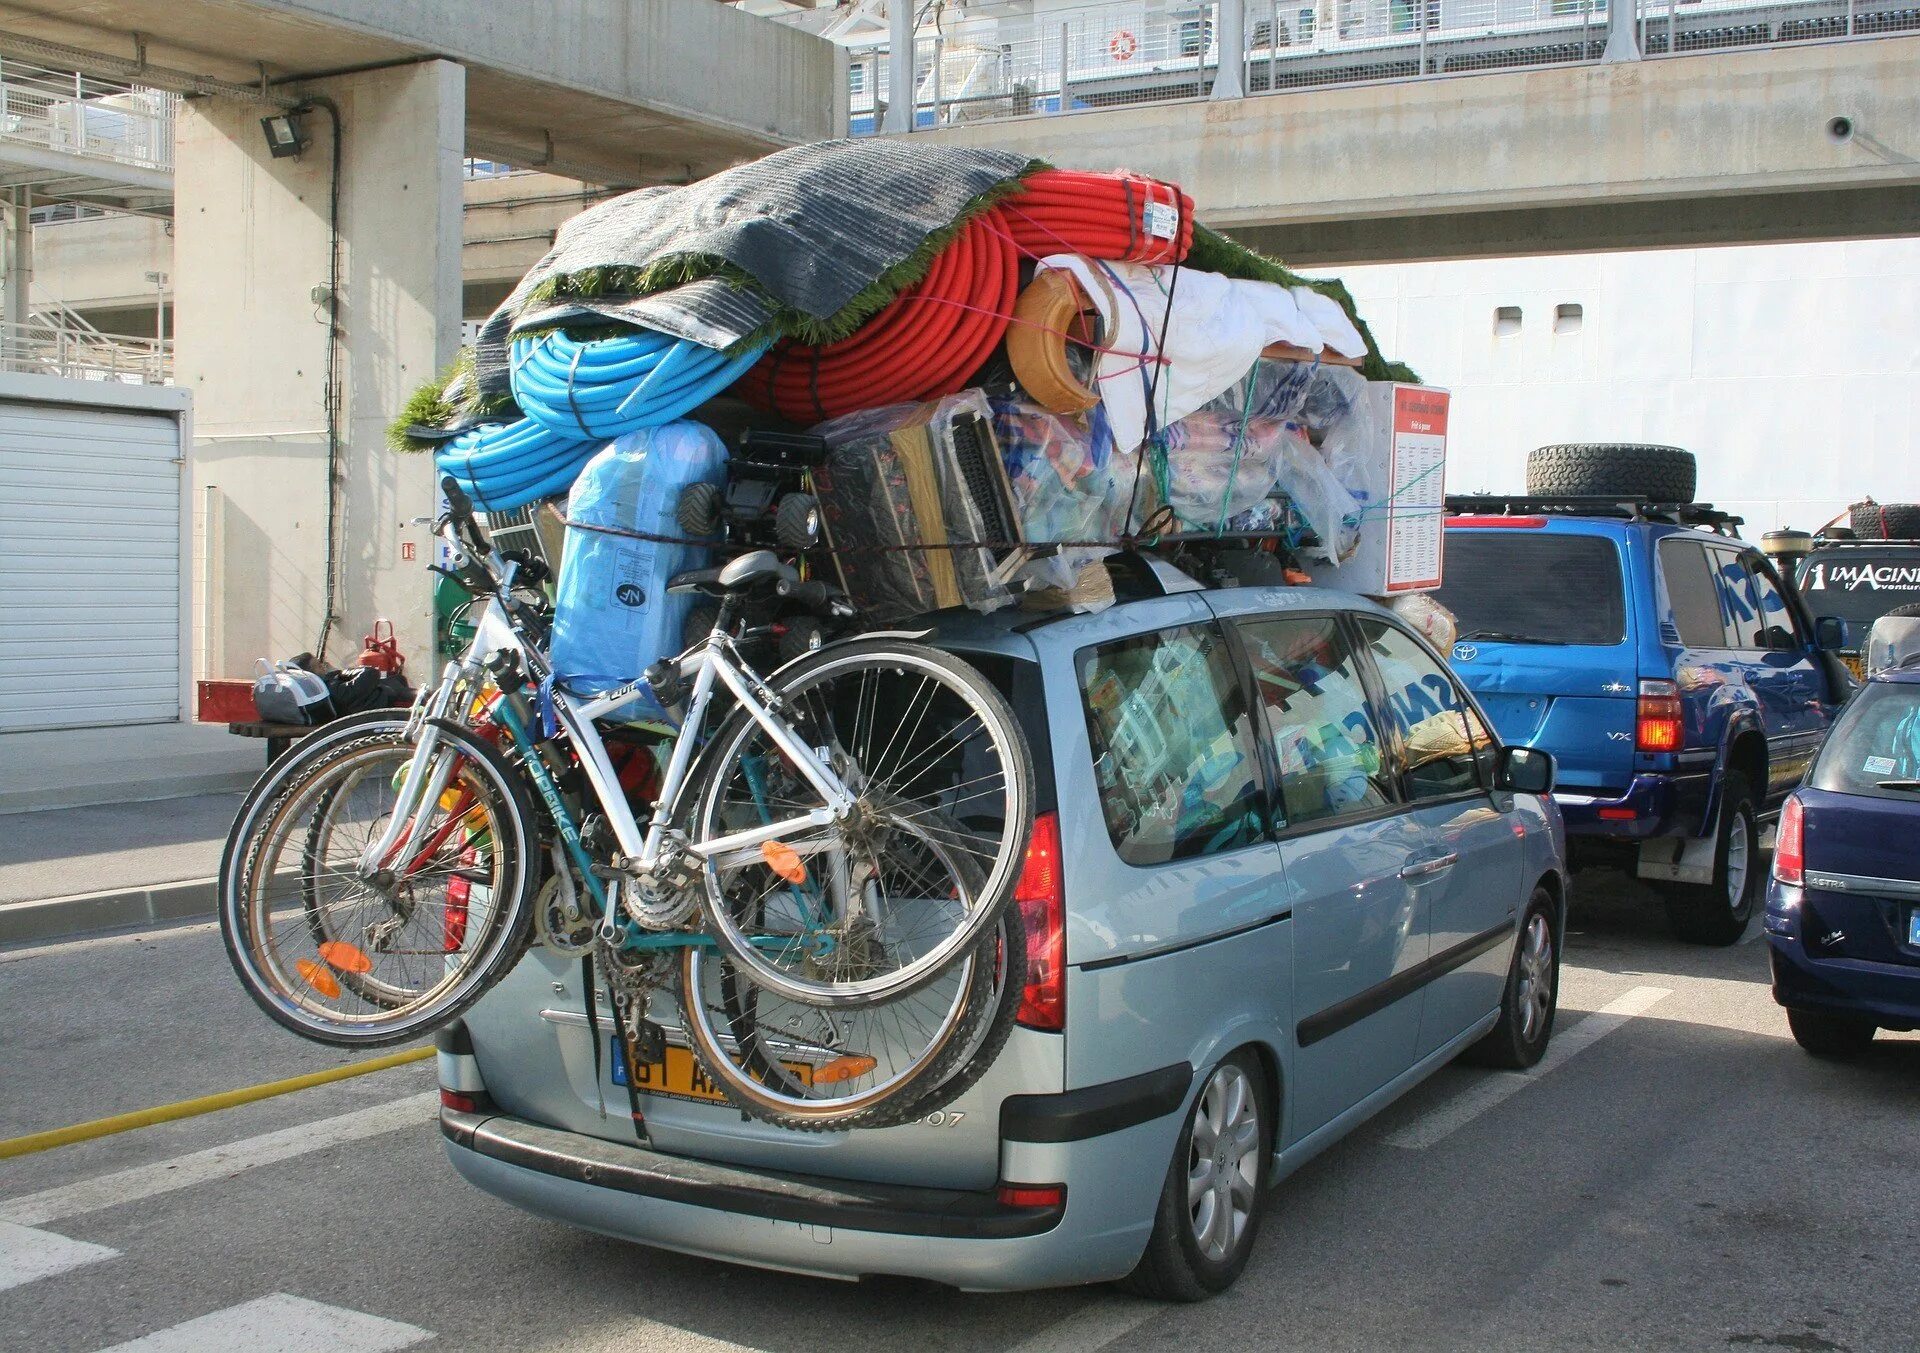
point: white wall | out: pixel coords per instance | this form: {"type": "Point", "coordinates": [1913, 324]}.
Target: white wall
{"type": "Point", "coordinates": [1791, 371]}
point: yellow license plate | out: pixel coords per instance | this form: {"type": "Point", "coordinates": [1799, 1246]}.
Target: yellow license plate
{"type": "Point", "coordinates": [678, 1076]}
{"type": "Point", "coordinates": [1855, 665]}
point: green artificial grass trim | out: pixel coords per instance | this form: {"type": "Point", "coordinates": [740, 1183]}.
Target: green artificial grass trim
{"type": "Point", "coordinates": [679, 269]}
{"type": "Point", "coordinates": [1214, 252]}
{"type": "Point", "coordinates": [448, 398]}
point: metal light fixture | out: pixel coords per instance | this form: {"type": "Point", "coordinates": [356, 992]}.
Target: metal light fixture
{"type": "Point", "coordinates": [286, 137]}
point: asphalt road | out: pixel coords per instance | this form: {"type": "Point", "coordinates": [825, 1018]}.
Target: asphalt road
{"type": "Point", "coordinates": [1686, 1178]}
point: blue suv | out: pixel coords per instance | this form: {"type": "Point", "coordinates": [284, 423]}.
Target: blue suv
{"type": "Point", "coordinates": [1680, 687]}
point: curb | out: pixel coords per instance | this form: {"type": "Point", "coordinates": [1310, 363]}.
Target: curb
{"type": "Point", "coordinates": [95, 794]}
{"type": "Point", "coordinates": [116, 908]}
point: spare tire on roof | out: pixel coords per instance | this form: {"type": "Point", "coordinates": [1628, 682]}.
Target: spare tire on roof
{"type": "Point", "coordinates": [1663, 474]}
{"type": "Point", "coordinates": [1885, 521]}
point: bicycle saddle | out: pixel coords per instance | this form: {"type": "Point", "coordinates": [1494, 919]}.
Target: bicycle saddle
{"type": "Point", "coordinates": [753, 568]}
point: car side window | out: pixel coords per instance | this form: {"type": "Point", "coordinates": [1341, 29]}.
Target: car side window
{"type": "Point", "coordinates": [1314, 705]}
{"type": "Point", "coordinates": [1172, 742]}
{"type": "Point", "coordinates": [1738, 601]}
{"type": "Point", "coordinates": [1778, 629]}
{"type": "Point", "coordinates": [1445, 747]}
{"type": "Point", "coordinates": [1693, 593]}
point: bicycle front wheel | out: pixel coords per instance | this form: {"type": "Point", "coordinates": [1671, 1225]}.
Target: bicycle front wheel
{"type": "Point", "coordinates": [880, 903]}
{"type": "Point", "coordinates": [355, 957]}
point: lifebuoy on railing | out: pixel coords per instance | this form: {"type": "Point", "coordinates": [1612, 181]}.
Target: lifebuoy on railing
{"type": "Point", "coordinates": [1122, 46]}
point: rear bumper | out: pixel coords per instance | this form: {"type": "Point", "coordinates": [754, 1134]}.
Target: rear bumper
{"type": "Point", "coordinates": [1660, 805]}
{"type": "Point", "coordinates": [1888, 993]}
{"type": "Point", "coordinates": [829, 1227]}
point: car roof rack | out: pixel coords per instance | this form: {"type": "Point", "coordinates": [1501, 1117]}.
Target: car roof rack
{"type": "Point", "coordinates": [1630, 507]}
{"type": "Point", "coordinates": [1851, 542]}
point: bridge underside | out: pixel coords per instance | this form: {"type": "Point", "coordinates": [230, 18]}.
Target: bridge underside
{"type": "Point", "coordinates": [1724, 148]}
{"type": "Point", "coordinates": [635, 93]}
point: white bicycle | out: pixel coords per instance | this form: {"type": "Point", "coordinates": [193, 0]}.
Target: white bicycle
{"type": "Point", "coordinates": [825, 878]}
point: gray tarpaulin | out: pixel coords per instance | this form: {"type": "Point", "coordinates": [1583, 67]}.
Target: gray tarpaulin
{"type": "Point", "coordinates": [813, 226]}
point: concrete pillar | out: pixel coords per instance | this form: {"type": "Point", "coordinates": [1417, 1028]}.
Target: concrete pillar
{"type": "Point", "coordinates": [900, 65]}
{"type": "Point", "coordinates": [17, 298]}
{"type": "Point", "coordinates": [250, 270]}
{"type": "Point", "coordinates": [1230, 37]}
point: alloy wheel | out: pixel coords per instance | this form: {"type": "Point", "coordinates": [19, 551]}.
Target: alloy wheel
{"type": "Point", "coordinates": [1535, 996]}
{"type": "Point", "coordinates": [1223, 1163]}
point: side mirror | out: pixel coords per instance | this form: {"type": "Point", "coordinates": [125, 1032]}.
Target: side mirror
{"type": "Point", "coordinates": [1830, 631]}
{"type": "Point", "coordinates": [1523, 770]}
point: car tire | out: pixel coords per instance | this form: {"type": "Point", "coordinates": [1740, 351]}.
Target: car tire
{"type": "Point", "coordinates": [1832, 1037]}
{"type": "Point", "coordinates": [1662, 474]}
{"type": "Point", "coordinates": [1885, 521]}
{"type": "Point", "coordinates": [1718, 913]}
{"type": "Point", "coordinates": [1532, 994]}
{"type": "Point", "coordinates": [1181, 1262]}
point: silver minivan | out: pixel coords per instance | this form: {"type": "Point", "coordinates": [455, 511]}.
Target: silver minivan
{"type": "Point", "coordinates": [1282, 872]}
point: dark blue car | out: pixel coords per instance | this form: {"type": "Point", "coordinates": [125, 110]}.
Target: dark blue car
{"type": "Point", "coordinates": [1843, 907]}
{"type": "Point", "coordinates": [1680, 687]}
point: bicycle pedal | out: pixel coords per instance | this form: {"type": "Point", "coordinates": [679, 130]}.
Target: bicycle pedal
{"type": "Point", "coordinates": [649, 1042]}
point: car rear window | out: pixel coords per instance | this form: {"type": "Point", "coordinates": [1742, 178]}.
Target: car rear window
{"type": "Point", "coordinates": [1526, 586]}
{"type": "Point", "coordinates": [1860, 585]}
{"type": "Point", "coordinates": [1877, 740]}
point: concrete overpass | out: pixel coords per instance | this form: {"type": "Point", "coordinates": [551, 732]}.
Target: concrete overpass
{"type": "Point", "coordinates": [1805, 142]}
{"type": "Point", "coordinates": [607, 90]}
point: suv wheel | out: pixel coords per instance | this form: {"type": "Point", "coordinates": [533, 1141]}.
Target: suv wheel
{"type": "Point", "coordinates": [1718, 912]}
{"type": "Point", "coordinates": [1210, 1206]}
{"type": "Point", "coordinates": [1836, 1037]}
{"type": "Point", "coordinates": [1532, 995]}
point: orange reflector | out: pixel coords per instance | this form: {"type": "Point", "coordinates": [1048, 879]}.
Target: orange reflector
{"type": "Point", "coordinates": [782, 859]}
{"type": "Point", "coordinates": [842, 1069]}
{"type": "Point", "coordinates": [319, 978]}
{"type": "Point", "coordinates": [345, 957]}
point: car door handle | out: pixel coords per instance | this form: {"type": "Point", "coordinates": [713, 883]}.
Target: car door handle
{"type": "Point", "coordinates": [1435, 865]}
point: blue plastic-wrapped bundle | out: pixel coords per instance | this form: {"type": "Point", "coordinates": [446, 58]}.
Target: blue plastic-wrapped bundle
{"type": "Point", "coordinates": [606, 387]}
{"type": "Point", "coordinates": [613, 616]}
{"type": "Point", "coordinates": [502, 466]}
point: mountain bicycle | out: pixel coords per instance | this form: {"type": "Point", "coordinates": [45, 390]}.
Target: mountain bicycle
{"type": "Point", "coordinates": [823, 879]}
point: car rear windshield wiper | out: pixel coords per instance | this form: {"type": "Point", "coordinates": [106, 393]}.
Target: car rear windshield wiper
{"type": "Point", "coordinates": [1504, 637]}
{"type": "Point", "coordinates": [1897, 784]}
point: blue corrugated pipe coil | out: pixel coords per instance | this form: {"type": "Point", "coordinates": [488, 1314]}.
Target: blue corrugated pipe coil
{"type": "Point", "coordinates": [577, 397]}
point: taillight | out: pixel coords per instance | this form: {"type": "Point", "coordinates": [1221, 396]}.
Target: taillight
{"type": "Point", "coordinates": [459, 1103]}
{"type": "Point", "coordinates": [1042, 903]}
{"type": "Point", "coordinates": [1657, 725]}
{"type": "Point", "coordinates": [1031, 1195]}
{"type": "Point", "coordinates": [1789, 845]}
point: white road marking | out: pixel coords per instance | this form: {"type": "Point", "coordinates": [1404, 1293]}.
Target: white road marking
{"type": "Point", "coordinates": [218, 1162]}
{"type": "Point", "coordinates": [1450, 1116]}
{"type": "Point", "coordinates": [26, 1254]}
{"type": "Point", "coordinates": [1091, 1327]}
{"type": "Point", "coordinates": [280, 1324]}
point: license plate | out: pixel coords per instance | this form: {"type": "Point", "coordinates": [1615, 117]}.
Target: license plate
{"type": "Point", "coordinates": [1855, 665]}
{"type": "Point", "coordinates": [1913, 927]}
{"type": "Point", "coordinates": [678, 1075]}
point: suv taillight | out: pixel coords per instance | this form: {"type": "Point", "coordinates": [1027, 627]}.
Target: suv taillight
{"type": "Point", "coordinates": [1657, 725]}
{"type": "Point", "coordinates": [1789, 845]}
{"type": "Point", "coordinates": [1038, 894]}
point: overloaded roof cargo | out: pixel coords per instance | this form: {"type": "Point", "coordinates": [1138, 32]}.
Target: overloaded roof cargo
{"type": "Point", "coordinates": [1133, 377]}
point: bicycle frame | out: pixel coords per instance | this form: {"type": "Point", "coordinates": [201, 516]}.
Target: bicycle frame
{"type": "Point", "coordinates": [712, 661]}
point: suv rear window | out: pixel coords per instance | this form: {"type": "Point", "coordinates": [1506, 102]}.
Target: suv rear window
{"type": "Point", "coordinates": [1525, 586]}
{"type": "Point", "coordinates": [1173, 750]}
{"type": "Point", "coordinates": [1860, 585]}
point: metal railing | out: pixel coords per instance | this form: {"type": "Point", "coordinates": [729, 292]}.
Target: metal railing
{"type": "Point", "coordinates": [81, 115]}
{"type": "Point", "coordinates": [1156, 51]}
{"type": "Point", "coordinates": [57, 345]}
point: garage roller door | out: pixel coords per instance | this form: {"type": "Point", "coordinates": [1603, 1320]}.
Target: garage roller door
{"type": "Point", "coordinates": [89, 567]}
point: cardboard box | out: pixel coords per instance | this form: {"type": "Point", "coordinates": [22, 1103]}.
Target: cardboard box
{"type": "Point", "coordinates": [1402, 534]}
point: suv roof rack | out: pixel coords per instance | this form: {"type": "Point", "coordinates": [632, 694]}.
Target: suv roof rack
{"type": "Point", "coordinates": [1631, 507]}
{"type": "Point", "coordinates": [1850, 542]}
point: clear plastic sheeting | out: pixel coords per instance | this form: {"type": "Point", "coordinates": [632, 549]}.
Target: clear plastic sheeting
{"type": "Point", "coordinates": [1069, 484]}
{"type": "Point", "coordinates": [907, 494]}
{"type": "Point", "coordinates": [1434, 622]}
{"type": "Point", "coordinates": [1894, 641]}
{"type": "Point", "coordinates": [1344, 425]}
{"type": "Point", "coordinates": [613, 616]}
{"type": "Point", "coordinates": [1308, 481]}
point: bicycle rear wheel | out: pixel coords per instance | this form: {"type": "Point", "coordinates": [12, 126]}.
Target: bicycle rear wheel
{"type": "Point", "coordinates": [875, 906]}
{"type": "Point", "coordinates": [358, 960]}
